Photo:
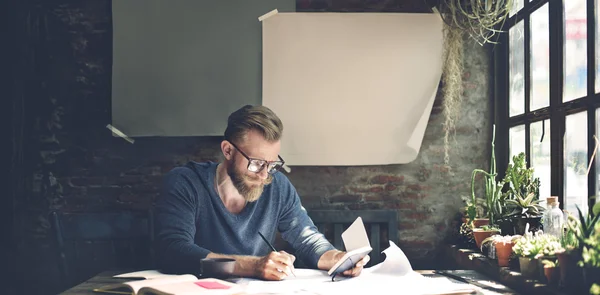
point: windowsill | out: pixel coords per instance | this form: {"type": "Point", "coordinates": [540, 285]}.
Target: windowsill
{"type": "Point", "coordinates": [474, 260]}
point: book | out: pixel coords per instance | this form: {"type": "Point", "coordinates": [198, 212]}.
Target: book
{"type": "Point", "coordinates": [357, 245]}
{"type": "Point", "coordinates": [171, 285]}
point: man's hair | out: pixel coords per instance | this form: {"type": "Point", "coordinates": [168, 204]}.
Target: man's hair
{"type": "Point", "coordinates": [259, 118]}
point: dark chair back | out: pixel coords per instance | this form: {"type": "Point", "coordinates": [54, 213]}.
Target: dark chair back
{"type": "Point", "coordinates": [89, 243]}
{"type": "Point", "coordinates": [381, 227]}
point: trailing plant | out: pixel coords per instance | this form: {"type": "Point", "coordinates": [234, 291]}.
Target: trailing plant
{"type": "Point", "coordinates": [452, 79]}
{"type": "Point", "coordinates": [480, 19]}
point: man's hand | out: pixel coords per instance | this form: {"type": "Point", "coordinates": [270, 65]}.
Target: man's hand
{"type": "Point", "coordinates": [275, 266]}
{"type": "Point", "coordinates": [330, 258]}
{"type": "Point", "coordinates": [358, 267]}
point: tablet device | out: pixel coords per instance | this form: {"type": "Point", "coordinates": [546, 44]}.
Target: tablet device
{"type": "Point", "coordinates": [349, 260]}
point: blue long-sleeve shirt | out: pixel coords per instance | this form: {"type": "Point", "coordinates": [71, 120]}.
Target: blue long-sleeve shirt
{"type": "Point", "coordinates": [192, 221]}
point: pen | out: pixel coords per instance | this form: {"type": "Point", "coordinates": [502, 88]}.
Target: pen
{"type": "Point", "coordinates": [272, 248]}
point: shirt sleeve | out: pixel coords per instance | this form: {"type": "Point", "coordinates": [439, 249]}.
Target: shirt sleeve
{"type": "Point", "coordinates": [298, 229]}
{"type": "Point", "coordinates": [175, 217]}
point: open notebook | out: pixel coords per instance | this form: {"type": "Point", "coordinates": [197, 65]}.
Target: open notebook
{"type": "Point", "coordinates": [161, 284]}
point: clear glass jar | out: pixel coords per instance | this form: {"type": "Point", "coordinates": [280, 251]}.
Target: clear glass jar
{"type": "Point", "coordinates": [553, 219]}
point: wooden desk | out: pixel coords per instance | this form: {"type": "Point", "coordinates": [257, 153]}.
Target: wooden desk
{"type": "Point", "coordinates": [489, 287]}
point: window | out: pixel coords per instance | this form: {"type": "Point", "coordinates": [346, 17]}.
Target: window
{"type": "Point", "coordinates": [547, 96]}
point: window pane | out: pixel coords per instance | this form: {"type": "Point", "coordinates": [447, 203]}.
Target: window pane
{"type": "Point", "coordinates": [540, 60]}
{"type": "Point", "coordinates": [516, 70]}
{"type": "Point", "coordinates": [575, 141]}
{"type": "Point", "coordinates": [516, 140]}
{"type": "Point", "coordinates": [575, 78]}
{"type": "Point", "coordinates": [598, 48]}
{"type": "Point", "coordinates": [517, 5]}
{"type": "Point", "coordinates": [540, 155]}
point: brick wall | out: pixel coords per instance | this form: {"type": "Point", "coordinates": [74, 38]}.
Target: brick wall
{"type": "Point", "coordinates": [71, 162]}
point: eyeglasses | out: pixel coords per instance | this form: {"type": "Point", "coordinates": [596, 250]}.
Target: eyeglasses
{"type": "Point", "coordinates": [257, 165]}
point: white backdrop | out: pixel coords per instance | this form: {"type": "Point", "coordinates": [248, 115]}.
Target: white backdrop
{"type": "Point", "coordinates": [351, 88]}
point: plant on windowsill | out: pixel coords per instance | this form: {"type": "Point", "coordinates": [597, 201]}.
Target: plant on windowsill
{"type": "Point", "coordinates": [503, 246]}
{"type": "Point", "coordinates": [532, 246]}
{"type": "Point", "coordinates": [493, 199]}
{"type": "Point", "coordinates": [521, 198]}
{"type": "Point", "coordinates": [482, 233]}
{"type": "Point", "coordinates": [590, 250]}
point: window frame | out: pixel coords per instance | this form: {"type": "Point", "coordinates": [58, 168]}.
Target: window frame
{"type": "Point", "coordinates": [557, 111]}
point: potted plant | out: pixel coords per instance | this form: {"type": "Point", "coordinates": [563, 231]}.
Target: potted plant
{"type": "Point", "coordinates": [521, 196]}
{"type": "Point", "coordinates": [570, 272]}
{"type": "Point", "coordinates": [590, 253]}
{"type": "Point", "coordinates": [551, 272]}
{"type": "Point", "coordinates": [492, 200]}
{"type": "Point", "coordinates": [527, 248]}
{"type": "Point", "coordinates": [481, 233]}
{"type": "Point", "coordinates": [550, 246]}
{"type": "Point", "coordinates": [503, 246]}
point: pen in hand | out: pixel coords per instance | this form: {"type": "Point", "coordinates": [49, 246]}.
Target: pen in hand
{"type": "Point", "coordinates": [272, 248]}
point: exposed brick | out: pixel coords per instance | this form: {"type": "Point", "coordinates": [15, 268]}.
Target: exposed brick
{"type": "Point", "coordinates": [390, 187]}
{"type": "Point", "coordinates": [367, 189]}
{"type": "Point", "coordinates": [402, 205]}
{"type": "Point", "coordinates": [385, 179]}
{"type": "Point", "coordinates": [417, 216]}
{"type": "Point", "coordinates": [366, 206]}
{"type": "Point", "coordinates": [345, 198]}
{"type": "Point", "coordinates": [406, 225]}
{"type": "Point", "coordinates": [373, 198]}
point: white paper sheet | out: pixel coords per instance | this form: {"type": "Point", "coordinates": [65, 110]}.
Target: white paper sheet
{"type": "Point", "coordinates": [146, 274]}
{"type": "Point", "coordinates": [393, 274]}
{"type": "Point", "coordinates": [351, 88]}
{"type": "Point", "coordinates": [355, 236]}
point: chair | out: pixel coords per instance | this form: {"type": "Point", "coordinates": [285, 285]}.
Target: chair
{"type": "Point", "coordinates": [88, 243]}
{"type": "Point", "coordinates": [381, 227]}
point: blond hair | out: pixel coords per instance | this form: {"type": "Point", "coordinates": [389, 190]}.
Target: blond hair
{"type": "Point", "coordinates": [258, 118]}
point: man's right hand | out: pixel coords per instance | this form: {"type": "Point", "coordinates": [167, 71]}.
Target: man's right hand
{"type": "Point", "coordinates": [275, 266]}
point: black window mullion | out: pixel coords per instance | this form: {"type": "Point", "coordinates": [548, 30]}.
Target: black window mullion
{"type": "Point", "coordinates": [591, 85]}
{"type": "Point", "coordinates": [527, 82]}
{"type": "Point", "coordinates": [501, 93]}
{"type": "Point", "coordinates": [591, 47]}
{"type": "Point", "coordinates": [557, 118]}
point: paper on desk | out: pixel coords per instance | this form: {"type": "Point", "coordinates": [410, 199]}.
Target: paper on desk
{"type": "Point", "coordinates": [393, 274]}
{"type": "Point", "coordinates": [144, 274]}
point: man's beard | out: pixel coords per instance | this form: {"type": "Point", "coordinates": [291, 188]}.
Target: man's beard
{"type": "Point", "coordinates": [240, 181]}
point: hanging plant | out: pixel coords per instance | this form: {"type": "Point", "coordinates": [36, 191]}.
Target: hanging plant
{"type": "Point", "coordinates": [452, 87]}
{"type": "Point", "coordinates": [481, 20]}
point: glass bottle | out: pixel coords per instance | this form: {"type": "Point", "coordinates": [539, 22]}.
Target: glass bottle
{"type": "Point", "coordinates": [553, 218]}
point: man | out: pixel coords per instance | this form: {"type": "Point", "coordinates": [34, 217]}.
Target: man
{"type": "Point", "coordinates": [217, 210]}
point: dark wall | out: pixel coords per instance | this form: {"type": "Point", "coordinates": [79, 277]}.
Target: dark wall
{"type": "Point", "coordinates": [64, 158]}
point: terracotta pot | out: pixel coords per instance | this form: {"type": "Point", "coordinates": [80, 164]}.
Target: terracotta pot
{"type": "Point", "coordinates": [529, 267]}
{"type": "Point", "coordinates": [571, 275]}
{"type": "Point", "coordinates": [503, 251]}
{"type": "Point", "coordinates": [481, 235]}
{"type": "Point", "coordinates": [552, 274]}
{"type": "Point", "coordinates": [479, 222]}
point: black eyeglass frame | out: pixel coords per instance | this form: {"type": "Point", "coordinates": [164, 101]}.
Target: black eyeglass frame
{"type": "Point", "coordinates": [263, 163]}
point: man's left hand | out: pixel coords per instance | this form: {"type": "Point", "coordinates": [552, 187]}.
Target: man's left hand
{"type": "Point", "coordinates": [358, 267]}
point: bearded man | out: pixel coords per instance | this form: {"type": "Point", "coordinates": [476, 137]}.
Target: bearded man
{"type": "Point", "coordinates": [217, 210]}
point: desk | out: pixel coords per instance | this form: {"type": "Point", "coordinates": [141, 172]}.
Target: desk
{"type": "Point", "coordinates": [489, 287]}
